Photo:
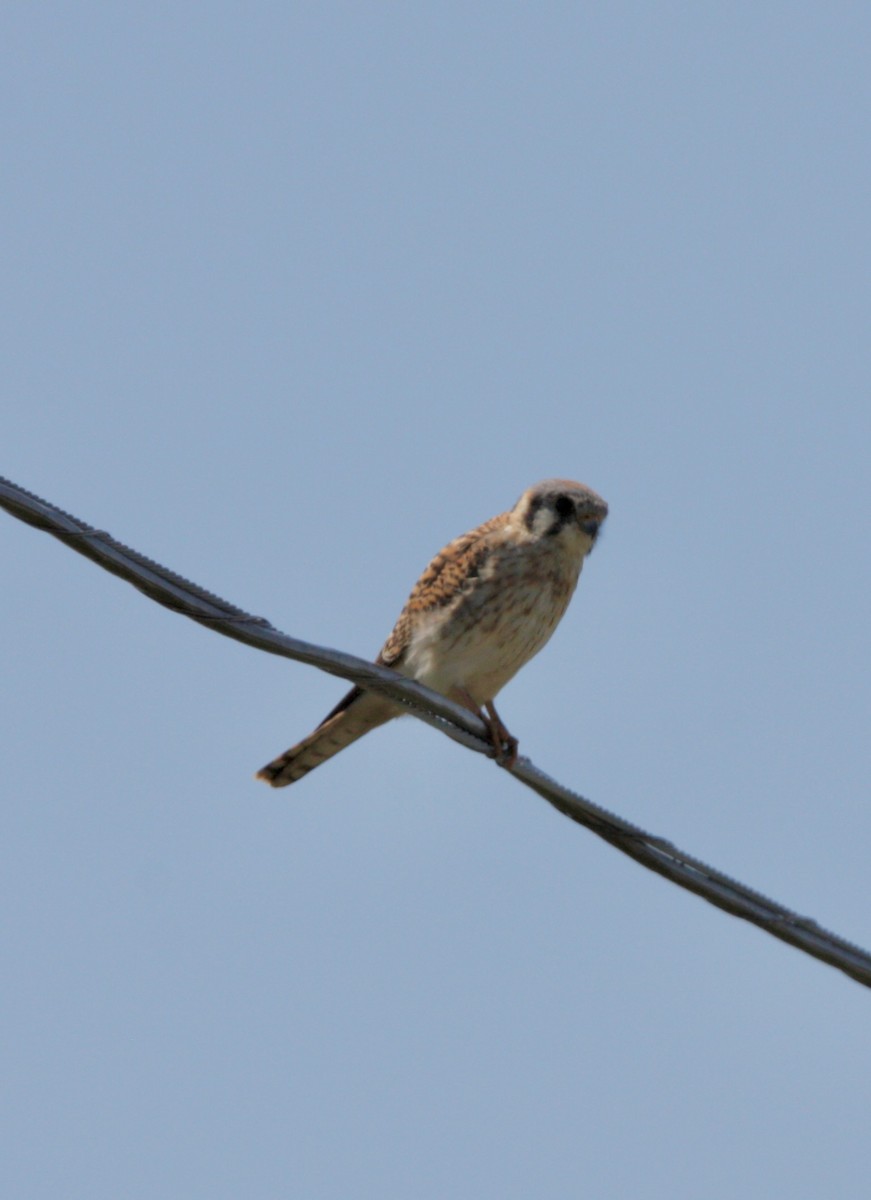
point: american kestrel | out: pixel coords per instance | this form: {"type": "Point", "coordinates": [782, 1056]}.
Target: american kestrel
{"type": "Point", "coordinates": [482, 608]}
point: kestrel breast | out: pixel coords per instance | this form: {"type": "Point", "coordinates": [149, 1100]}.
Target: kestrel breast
{"type": "Point", "coordinates": [500, 619]}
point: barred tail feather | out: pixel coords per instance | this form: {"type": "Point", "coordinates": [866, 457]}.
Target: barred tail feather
{"type": "Point", "coordinates": [353, 716]}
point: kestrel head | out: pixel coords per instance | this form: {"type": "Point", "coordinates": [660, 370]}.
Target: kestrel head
{"type": "Point", "coordinates": [561, 509]}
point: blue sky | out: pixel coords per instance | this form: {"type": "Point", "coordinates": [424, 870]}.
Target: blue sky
{"type": "Point", "coordinates": [295, 294]}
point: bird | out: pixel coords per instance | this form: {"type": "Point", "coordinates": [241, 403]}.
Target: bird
{"type": "Point", "coordinates": [485, 605]}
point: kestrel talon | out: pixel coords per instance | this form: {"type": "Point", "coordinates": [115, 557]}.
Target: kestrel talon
{"type": "Point", "coordinates": [482, 608]}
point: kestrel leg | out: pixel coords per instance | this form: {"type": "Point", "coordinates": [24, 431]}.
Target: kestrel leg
{"type": "Point", "coordinates": [504, 745]}
{"type": "Point", "coordinates": [502, 739]}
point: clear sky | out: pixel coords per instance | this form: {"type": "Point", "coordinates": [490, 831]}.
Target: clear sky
{"type": "Point", "coordinates": [293, 294]}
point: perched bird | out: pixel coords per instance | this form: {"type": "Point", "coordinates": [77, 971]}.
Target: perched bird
{"type": "Point", "coordinates": [482, 608]}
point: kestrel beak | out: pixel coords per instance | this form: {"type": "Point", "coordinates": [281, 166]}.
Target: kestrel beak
{"type": "Point", "coordinates": [591, 516]}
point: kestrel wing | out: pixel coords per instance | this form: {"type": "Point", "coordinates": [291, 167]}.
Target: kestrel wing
{"type": "Point", "coordinates": [440, 584]}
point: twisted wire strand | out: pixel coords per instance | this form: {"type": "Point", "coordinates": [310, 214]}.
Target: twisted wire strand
{"type": "Point", "coordinates": [182, 596]}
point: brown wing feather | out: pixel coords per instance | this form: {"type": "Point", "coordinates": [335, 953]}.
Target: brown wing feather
{"type": "Point", "coordinates": [440, 584]}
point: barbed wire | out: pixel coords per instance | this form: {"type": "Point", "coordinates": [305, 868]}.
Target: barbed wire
{"type": "Point", "coordinates": [655, 853]}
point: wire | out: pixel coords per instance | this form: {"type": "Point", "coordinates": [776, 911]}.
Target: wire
{"type": "Point", "coordinates": [655, 853]}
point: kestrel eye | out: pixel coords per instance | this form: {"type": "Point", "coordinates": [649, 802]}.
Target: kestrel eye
{"type": "Point", "coordinates": [564, 507]}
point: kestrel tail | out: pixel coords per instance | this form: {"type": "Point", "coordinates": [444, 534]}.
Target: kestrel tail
{"type": "Point", "coordinates": [482, 608]}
